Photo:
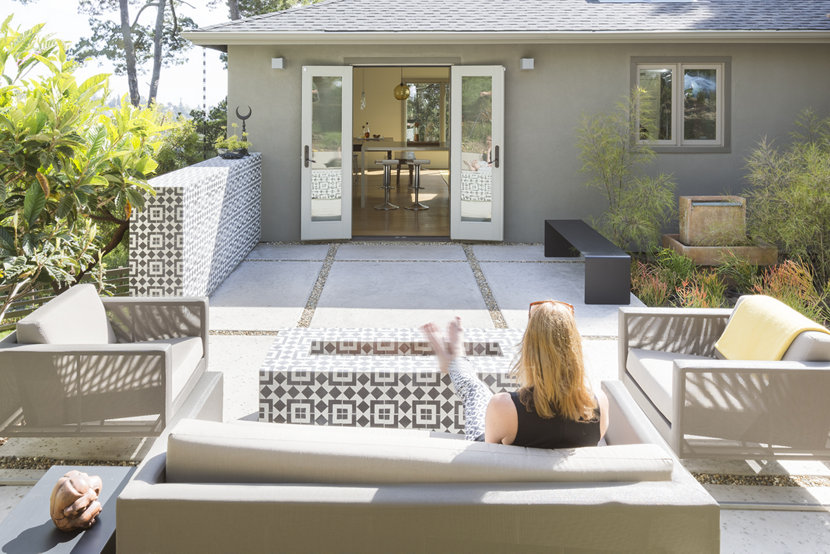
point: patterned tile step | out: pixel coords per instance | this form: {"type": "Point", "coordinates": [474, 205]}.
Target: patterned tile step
{"type": "Point", "coordinates": [394, 348]}
{"type": "Point", "coordinates": [374, 377]}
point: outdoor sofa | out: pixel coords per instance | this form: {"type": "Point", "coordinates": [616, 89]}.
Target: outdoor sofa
{"type": "Point", "coordinates": [82, 365]}
{"type": "Point", "coordinates": [266, 487]}
{"type": "Point", "coordinates": [706, 406]}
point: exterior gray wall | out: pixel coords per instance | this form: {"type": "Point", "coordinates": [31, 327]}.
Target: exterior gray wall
{"type": "Point", "coordinates": [770, 84]}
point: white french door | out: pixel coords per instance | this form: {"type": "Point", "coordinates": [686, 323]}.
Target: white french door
{"type": "Point", "coordinates": [477, 152]}
{"type": "Point", "coordinates": [326, 153]}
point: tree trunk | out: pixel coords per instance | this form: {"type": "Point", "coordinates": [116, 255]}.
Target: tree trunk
{"type": "Point", "coordinates": [129, 51]}
{"type": "Point", "coordinates": [154, 81]}
{"type": "Point", "coordinates": [233, 6]}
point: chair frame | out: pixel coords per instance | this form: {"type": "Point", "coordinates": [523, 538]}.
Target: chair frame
{"type": "Point", "coordinates": [780, 398]}
{"type": "Point", "coordinates": [131, 379]}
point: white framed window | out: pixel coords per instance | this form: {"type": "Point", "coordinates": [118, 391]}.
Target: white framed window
{"type": "Point", "coordinates": [684, 104]}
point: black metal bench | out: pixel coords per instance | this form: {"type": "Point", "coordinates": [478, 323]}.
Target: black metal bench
{"type": "Point", "coordinates": [607, 268]}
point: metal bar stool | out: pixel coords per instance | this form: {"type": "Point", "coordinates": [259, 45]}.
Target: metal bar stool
{"type": "Point", "coordinates": [404, 158]}
{"type": "Point", "coordinates": [387, 184]}
{"type": "Point", "coordinates": [416, 183]}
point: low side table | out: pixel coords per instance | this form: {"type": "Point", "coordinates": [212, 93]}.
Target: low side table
{"type": "Point", "coordinates": [29, 528]}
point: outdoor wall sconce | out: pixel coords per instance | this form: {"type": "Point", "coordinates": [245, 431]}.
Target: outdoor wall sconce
{"type": "Point", "coordinates": [526, 63]}
{"type": "Point", "coordinates": [277, 63]}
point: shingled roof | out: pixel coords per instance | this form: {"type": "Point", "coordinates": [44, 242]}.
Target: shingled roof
{"type": "Point", "coordinates": [544, 18]}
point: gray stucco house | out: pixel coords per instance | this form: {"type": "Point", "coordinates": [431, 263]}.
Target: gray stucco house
{"type": "Point", "coordinates": [497, 91]}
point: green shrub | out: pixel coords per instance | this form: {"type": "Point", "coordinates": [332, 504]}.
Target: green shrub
{"type": "Point", "coordinates": [714, 287]}
{"type": "Point", "coordinates": [704, 289]}
{"type": "Point", "coordinates": [792, 283]}
{"type": "Point", "coordinates": [690, 294]}
{"type": "Point", "coordinates": [613, 154]}
{"type": "Point", "coordinates": [742, 273]}
{"type": "Point", "coordinates": [72, 169]}
{"type": "Point", "coordinates": [789, 201]}
{"type": "Point", "coordinates": [182, 147]}
{"type": "Point", "coordinates": [674, 267]}
{"type": "Point", "coordinates": [648, 284]}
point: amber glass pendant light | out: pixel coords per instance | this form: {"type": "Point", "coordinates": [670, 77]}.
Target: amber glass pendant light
{"type": "Point", "coordinates": [401, 91]}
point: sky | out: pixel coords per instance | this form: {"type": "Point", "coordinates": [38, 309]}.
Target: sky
{"type": "Point", "coordinates": [177, 84]}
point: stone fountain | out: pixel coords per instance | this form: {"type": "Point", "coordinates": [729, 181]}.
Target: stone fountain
{"type": "Point", "coordinates": [713, 226]}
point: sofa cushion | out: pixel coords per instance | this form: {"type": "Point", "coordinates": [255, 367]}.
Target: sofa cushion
{"type": "Point", "coordinates": [76, 316]}
{"type": "Point", "coordinates": [653, 372]}
{"type": "Point", "coordinates": [809, 346]}
{"type": "Point", "coordinates": [254, 452]}
{"type": "Point", "coordinates": [186, 353]}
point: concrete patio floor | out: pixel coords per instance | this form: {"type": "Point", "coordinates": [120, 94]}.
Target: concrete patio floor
{"type": "Point", "coordinates": [403, 284]}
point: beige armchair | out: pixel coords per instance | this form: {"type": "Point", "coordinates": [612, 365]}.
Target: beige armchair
{"type": "Point", "coordinates": [82, 365]}
{"type": "Point", "coordinates": [709, 407]}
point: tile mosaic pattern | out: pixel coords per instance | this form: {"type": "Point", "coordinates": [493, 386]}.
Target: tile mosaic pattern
{"type": "Point", "coordinates": [326, 184]}
{"type": "Point", "coordinates": [359, 387]}
{"type": "Point", "coordinates": [394, 348]}
{"type": "Point", "coordinates": [476, 186]}
{"type": "Point", "coordinates": [201, 224]}
{"type": "Point", "coordinates": [156, 239]}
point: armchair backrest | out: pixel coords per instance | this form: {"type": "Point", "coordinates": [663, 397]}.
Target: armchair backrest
{"type": "Point", "coordinates": [76, 316]}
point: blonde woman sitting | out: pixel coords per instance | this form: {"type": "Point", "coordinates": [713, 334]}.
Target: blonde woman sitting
{"type": "Point", "coordinates": [554, 406]}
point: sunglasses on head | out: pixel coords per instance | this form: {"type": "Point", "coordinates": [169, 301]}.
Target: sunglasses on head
{"type": "Point", "coordinates": [538, 302]}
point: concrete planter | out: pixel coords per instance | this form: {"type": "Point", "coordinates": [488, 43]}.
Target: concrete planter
{"type": "Point", "coordinates": [713, 255]}
{"type": "Point", "coordinates": [712, 220]}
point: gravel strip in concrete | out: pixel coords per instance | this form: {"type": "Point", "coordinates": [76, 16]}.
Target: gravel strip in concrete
{"type": "Point", "coordinates": [763, 480]}
{"type": "Point", "coordinates": [317, 290]}
{"type": "Point", "coordinates": [489, 300]}
{"type": "Point", "coordinates": [42, 462]}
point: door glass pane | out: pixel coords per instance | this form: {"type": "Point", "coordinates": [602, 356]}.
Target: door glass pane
{"type": "Point", "coordinates": [655, 104]}
{"type": "Point", "coordinates": [476, 148]}
{"type": "Point", "coordinates": [700, 106]}
{"type": "Point", "coordinates": [326, 147]}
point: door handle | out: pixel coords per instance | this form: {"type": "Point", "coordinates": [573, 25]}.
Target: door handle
{"type": "Point", "coordinates": [496, 160]}
{"type": "Point", "coordinates": [306, 159]}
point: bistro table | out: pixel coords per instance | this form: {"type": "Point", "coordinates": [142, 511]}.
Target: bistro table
{"type": "Point", "coordinates": [389, 146]}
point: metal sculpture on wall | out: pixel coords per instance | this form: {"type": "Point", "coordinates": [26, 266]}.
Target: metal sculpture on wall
{"type": "Point", "coordinates": [244, 117]}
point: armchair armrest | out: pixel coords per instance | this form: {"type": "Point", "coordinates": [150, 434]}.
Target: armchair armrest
{"type": "Point", "coordinates": [680, 330]}
{"type": "Point", "coordinates": [60, 385]}
{"type": "Point", "coordinates": [772, 403]}
{"type": "Point", "coordinates": [136, 319]}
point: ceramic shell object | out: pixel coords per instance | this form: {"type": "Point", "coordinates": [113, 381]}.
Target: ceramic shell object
{"type": "Point", "coordinates": [74, 503]}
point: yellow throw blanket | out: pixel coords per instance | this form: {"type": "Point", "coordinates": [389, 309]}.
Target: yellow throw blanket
{"type": "Point", "coordinates": [762, 328]}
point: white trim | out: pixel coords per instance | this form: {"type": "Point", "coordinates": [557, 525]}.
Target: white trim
{"type": "Point", "coordinates": [494, 228]}
{"type": "Point", "coordinates": [342, 228]}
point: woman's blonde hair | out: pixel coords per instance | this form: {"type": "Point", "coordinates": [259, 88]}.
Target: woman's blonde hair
{"type": "Point", "coordinates": [550, 369]}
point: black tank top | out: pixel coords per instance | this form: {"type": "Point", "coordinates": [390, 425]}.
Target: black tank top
{"type": "Point", "coordinates": [557, 432]}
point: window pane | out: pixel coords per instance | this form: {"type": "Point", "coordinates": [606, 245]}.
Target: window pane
{"type": "Point", "coordinates": [424, 111]}
{"type": "Point", "coordinates": [699, 109]}
{"type": "Point", "coordinates": [326, 141]}
{"type": "Point", "coordinates": [655, 105]}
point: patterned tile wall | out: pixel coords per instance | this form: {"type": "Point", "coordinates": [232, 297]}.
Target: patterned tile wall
{"type": "Point", "coordinates": [305, 380]}
{"type": "Point", "coordinates": [202, 222]}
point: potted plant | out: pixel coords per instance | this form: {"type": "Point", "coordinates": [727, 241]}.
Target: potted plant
{"type": "Point", "coordinates": [232, 148]}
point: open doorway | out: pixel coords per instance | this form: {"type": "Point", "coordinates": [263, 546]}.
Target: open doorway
{"type": "Point", "coordinates": [417, 126]}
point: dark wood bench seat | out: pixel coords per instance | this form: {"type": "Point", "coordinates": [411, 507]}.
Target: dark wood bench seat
{"type": "Point", "coordinates": [607, 267]}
